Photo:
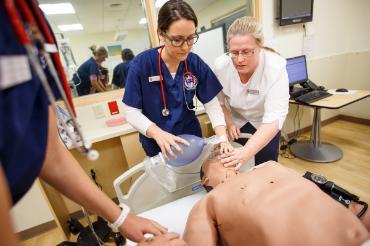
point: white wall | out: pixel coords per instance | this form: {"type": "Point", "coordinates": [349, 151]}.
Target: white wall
{"type": "Point", "coordinates": [217, 9]}
{"type": "Point", "coordinates": [341, 50]}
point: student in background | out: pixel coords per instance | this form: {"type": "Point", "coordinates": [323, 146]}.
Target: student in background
{"type": "Point", "coordinates": [255, 95]}
{"type": "Point", "coordinates": [121, 70]}
{"type": "Point", "coordinates": [87, 78]}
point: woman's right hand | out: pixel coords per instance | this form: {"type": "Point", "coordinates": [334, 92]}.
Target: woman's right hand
{"type": "Point", "coordinates": [165, 140]}
{"type": "Point", "coordinates": [167, 239]}
{"type": "Point", "coordinates": [233, 132]}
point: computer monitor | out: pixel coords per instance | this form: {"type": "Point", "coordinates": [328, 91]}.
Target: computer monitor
{"type": "Point", "coordinates": [297, 70]}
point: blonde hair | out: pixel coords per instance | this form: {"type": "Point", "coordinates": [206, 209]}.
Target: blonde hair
{"type": "Point", "coordinates": [248, 25]}
{"type": "Point", "coordinates": [101, 51]}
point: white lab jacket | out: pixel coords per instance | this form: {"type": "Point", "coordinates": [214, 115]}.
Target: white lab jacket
{"type": "Point", "coordinates": [263, 99]}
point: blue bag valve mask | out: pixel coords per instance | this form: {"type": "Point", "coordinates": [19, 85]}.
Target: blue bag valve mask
{"type": "Point", "coordinates": [190, 153]}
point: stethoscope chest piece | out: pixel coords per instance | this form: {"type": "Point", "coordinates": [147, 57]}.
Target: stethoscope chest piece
{"type": "Point", "coordinates": [165, 112]}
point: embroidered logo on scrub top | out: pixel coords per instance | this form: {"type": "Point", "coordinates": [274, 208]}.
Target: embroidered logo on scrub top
{"type": "Point", "coordinates": [190, 81]}
{"type": "Point", "coordinates": [154, 78]}
{"type": "Point", "coordinates": [253, 92]}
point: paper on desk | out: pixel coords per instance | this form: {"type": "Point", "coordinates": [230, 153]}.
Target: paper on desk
{"type": "Point", "coordinates": [349, 92]}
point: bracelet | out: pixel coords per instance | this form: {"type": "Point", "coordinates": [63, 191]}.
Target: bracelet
{"type": "Point", "coordinates": [121, 218]}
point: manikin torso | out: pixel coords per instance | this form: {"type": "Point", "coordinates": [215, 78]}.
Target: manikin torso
{"type": "Point", "coordinates": [273, 205]}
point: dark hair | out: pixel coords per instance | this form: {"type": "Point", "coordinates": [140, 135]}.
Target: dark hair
{"type": "Point", "coordinates": [174, 10]}
{"type": "Point", "coordinates": [127, 54]}
{"type": "Point", "coordinates": [208, 188]}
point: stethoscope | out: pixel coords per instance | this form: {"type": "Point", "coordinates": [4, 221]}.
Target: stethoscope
{"type": "Point", "coordinates": [31, 33]}
{"type": "Point", "coordinates": [190, 82]}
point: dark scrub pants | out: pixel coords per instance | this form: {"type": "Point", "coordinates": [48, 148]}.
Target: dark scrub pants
{"type": "Point", "coordinates": [268, 153]}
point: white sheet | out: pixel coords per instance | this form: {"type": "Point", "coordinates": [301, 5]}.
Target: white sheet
{"type": "Point", "coordinates": [173, 215]}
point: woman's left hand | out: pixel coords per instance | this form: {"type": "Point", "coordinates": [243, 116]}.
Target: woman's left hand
{"type": "Point", "coordinates": [235, 159]}
{"type": "Point", "coordinates": [226, 148]}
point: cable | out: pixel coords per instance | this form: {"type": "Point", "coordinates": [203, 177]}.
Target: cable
{"type": "Point", "coordinates": [86, 214]}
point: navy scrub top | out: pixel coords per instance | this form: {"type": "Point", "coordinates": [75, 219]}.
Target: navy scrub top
{"type": "Point", "coordinates": [120, 74]}
{"type": "Point", "coordinates": [23, 117]}
{"type": "Point", "coordinates": [147, 96]}
{"type": "Point", "coordinates": [88, 68]}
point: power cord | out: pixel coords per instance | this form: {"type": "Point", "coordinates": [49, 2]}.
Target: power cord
{"type": "Point", "coordinates": [93, 176]}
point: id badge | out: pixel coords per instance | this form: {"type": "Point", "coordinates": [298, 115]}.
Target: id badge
{"type": "Point", "coordinates": [253, 92]}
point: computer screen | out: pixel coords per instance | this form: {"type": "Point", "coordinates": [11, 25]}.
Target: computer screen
{"type": "Point", "coordinates": [295, 11]}
{"type": "Point", "coordinates": [297, 70]}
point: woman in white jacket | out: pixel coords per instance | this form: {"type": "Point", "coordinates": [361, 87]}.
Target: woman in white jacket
{"type": "Point", "coordinates": [255, 95]}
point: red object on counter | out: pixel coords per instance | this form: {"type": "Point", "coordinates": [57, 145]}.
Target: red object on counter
{"type": "Point", "coordinates": [113, 107]}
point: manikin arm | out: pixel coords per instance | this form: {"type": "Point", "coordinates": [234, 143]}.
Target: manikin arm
{"type": "Point", "coordinates": [201, 225]}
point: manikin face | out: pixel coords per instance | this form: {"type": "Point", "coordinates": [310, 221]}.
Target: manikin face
{"type": "Point", "coordinates": [215, 173]}
{"type": "Point", "coordinates": [244, 52]}
{"type": "Point", "coordinates": [179, 31]}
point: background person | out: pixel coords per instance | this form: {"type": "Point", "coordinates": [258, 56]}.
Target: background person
{"type": "Point", "coordinates": [163, 81]}
{"type": "Point", "coordinates": [121, 70]}
{"type": "Point", "coordinates": [255, 95]}
{"type": "Point", "coordinates": [87, 78]}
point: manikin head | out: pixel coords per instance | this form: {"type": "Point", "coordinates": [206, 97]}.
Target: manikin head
{"type": "Point", "coordinates": [177, 24]}
{"type": "Point", "coordinates": [213, 172]}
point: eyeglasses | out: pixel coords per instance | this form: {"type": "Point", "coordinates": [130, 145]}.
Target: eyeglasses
{"type": "Point", "coordinates": [243, 53]}
{"type": "Point", "coordinates": [178, 42]}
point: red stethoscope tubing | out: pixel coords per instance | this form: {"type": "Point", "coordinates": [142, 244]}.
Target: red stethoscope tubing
{"type": "Point", "coordinates": [161, 77]}
{"type": "Point", "coordinates": [17, 25]}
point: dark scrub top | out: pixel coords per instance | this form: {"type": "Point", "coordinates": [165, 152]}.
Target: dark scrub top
{"type": "Point", "coordinates": [83, 83]}
{"type": "Point", "coordinates": [23, 117]}
{"type": "Point", "coordinates": [120, 74]}
{"type": "Point", "coordinates": [145, 95]}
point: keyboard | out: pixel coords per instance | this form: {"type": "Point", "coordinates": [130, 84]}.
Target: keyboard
{"type": "Point", "coordinates": [312, 96]}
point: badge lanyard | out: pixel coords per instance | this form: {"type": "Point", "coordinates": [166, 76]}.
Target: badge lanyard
{"type": "Point", "coordinates": [190, 82]}
{"type": "Point", "coordinates": [35, 34]}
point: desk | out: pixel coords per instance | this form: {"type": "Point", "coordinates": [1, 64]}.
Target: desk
{"type": "Point", "coordinates": [313, 149]}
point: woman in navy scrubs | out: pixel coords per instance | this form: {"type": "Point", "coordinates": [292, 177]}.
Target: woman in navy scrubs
{"type": "Point", "coordinates": [30, 147]}
{"type": "Point", "coordinates": [163, 81]}
{"type": "Point", "coordinates": [87, 77]}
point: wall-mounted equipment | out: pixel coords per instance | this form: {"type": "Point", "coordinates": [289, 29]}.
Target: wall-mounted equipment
{"type": "Point", "coordinates": [295, 11]}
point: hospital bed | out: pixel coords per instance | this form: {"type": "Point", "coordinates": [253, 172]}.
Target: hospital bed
{"type": "Point", "coordinates": [168, 204]}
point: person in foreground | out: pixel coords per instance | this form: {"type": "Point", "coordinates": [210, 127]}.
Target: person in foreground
{"type": "Point", "coordinates": [270, 205]}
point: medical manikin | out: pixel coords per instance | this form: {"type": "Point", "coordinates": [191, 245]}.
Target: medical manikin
{"type": "Point", "coordinates": [270, 205]}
